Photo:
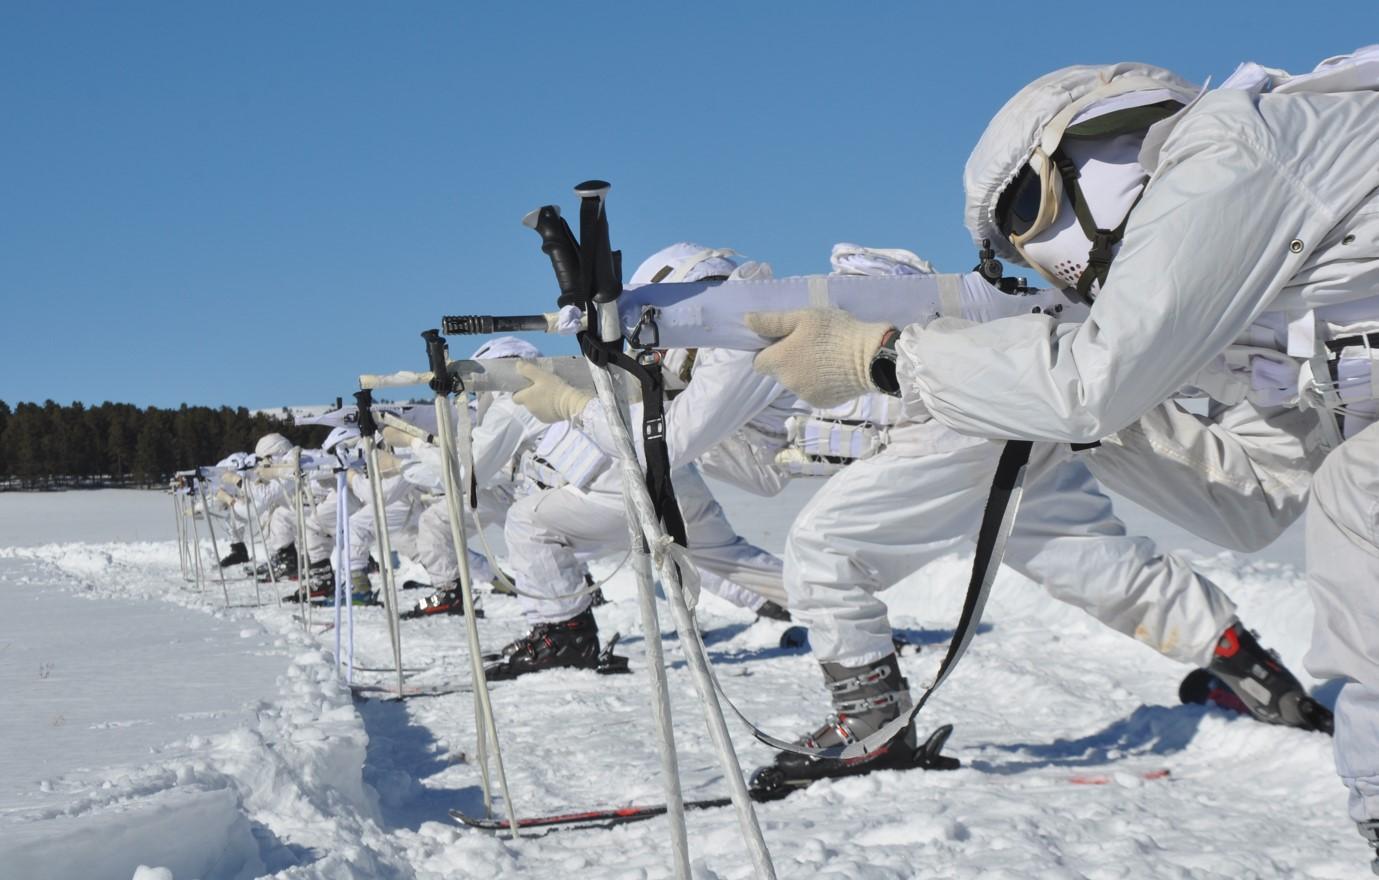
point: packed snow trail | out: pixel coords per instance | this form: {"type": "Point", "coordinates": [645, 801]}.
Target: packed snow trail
{"type": "Point", "coordinates": [329, 787]}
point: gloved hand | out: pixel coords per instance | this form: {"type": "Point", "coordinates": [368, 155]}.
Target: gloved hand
{"type": "Point", "coordinates": [388, 464]}
{"type": "Point", "coordinates": [823, 355]}
{"type": "Point", "coordinates": [232, 479]}
{"type": "Point", "coordinates": [549, 397]}
{"type": "Point", "coordinates": [223, 498]}
{"type": "Point", "coordinates": [396, 437]}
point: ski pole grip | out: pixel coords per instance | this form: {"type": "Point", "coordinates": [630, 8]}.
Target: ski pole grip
{"type": "Point", "coordinates": [478, 325]}
{"type": "Point", "coordinates": [558, 243]}
{"type": "Point", "coordinates": [599, 267]}
{"type": "Point", "coordinates": [441, 382]}
{"type": "Point", "coordinates": [364, 399]}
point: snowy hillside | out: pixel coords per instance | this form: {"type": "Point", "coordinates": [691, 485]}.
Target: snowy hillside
{"type": "Point", "coordinates": [147, 724]}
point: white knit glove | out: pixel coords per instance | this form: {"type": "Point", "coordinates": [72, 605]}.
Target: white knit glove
{"type": "Point", "coordinates": [550, 398]}
{"type": "Point", "coordinates": [823, 355]}
{"type": "Point", "coordinates": [396, 437]}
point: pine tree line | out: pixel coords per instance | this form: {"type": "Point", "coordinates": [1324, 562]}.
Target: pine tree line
{"type": "Point", "coordinates": [118, 444]}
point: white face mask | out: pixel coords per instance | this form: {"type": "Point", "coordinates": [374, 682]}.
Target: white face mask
{"type": "Point", "coordinates": [1111, 179]}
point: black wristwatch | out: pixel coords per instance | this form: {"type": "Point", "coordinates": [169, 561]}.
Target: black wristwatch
{"type": "Point", "coordinates": [882, 368]}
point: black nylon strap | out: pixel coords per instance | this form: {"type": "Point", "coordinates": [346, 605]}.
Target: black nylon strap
{"type": "Point", "coordinates": [654, 448]}
{"type": "Point", "coordinates": [1008, 478]}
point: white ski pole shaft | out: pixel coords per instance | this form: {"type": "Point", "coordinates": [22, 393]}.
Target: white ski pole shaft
{"type": "Point", "coordinates": [215, 547]}
{"type": "Point", "coordinates": [684, 619]}
{"type": "Point", "coordinates": [249, 535]}
{"type": "Point", "coordinates": [450, 486]}
{"type": "Point", "coordinates": [181, 532]}
{"type": "Point", "coordinates": [303, 554]}
{"type": "Point", "coordinates": [454, 494]}
{"type": "Point", "coordinates": [385, 556]}
{"type": "Point", "coordinates": [196, 547]}
{"type": "Point", "coordinates": [343, 516]}
{"type": "Point", "coordinates": [341, 564]}
{"type": "Point", "coordinates": [660, 693]}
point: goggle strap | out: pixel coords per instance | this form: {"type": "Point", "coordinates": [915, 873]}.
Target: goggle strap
{"type": "Point", "coordinates": [1100, 256]}
{"type": "Point", "coordinates": [1119, 122]}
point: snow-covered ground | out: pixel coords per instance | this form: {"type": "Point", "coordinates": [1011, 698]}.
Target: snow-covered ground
{"type": "Point", "coordinates": [146, 724]}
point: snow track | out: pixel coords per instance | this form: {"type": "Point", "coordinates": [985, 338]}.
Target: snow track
{"type": "Point", "coordinates": [220, 744]}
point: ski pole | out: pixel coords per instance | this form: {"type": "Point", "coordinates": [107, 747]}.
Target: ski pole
{"type": "Point", "coordinates": [558, 244]}
{"type": "Point", "coordinates": [215, 548]}
{"type": "Point", "coordinates": [249, 533]}
{"type": "Point", "coordinates": [181, 538]}
{"type": "Point", "coordinates": [367, 429]}
{"type": "Point", "coordinates": [341, 559]}
{"type": "Point", "coordinates": [303, 554]}
{"type": "Point", "coordinates": [602, 287]}
{"type": "Point", "coordinates": [196, 533]}
{"type": "Point", "coordinates": [454, 498]}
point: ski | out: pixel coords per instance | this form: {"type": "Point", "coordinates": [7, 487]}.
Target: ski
{"type": "Point", "coordinates": [389, 692]}
{"type": "Point", "coordinates": [773, 782]}
{"type": "Point", "coordinates": [1108, 778]}
{"type": "Point", "coordinates": [407, 670]}
{"type": "Point", "coordinates": [607, 817]}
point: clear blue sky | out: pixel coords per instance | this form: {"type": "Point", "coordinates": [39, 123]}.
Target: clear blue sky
{"type": "Point", "coordinates": [252, 203]}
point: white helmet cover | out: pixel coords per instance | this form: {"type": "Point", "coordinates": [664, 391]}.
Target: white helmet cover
{"type": "Point", "coordinates": [272, 445]}
{"type": "Point", "coordinates": [1016, 129]}
{"type": "Point", "coordinates": [505, 347]}
{"type": "Point", "coordinates": [340, 434]}
{"type": "Point", "coordinates": [685, 261]}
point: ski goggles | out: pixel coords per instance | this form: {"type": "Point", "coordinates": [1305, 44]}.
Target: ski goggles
{"type": "Point", "coordinates": [1029, 204]}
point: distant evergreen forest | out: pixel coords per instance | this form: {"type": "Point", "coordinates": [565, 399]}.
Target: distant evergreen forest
{"type": "Point", "coordinates": [47, 446]}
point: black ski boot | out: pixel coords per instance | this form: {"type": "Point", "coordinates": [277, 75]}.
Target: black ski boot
{"type": "Point", "coordinates": [1243, 676]}
{"type": "Point", "coordinates": [572, 643]}
{"type": "Point", "coordinates": [361, 592]}
{"type": "Point", "coordinates": [865, 699]}
{"type": "Point", "coordinates": [320, 582]}
{"type": "Point", "coordinates": [773, 611]}
{"type": "Point", "coordinates": [238, 555]}
{"type": "Point", "coordinates": [282, 564]}
{"type": "Point", "coordinates": [445, 600]}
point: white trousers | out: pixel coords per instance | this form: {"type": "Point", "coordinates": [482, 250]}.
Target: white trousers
{"type": "Point", "coordinates": [436, 549]}
{"type": "Point", "coordinates": [401, 516]}
{"type": "Point", "coordinates": [1343, 575]}
{"type": "Point", "coordinates": [553, 533]}
{"type": "Point", "coordinates": [281, 530]}
{"type": "Point", "coordinates": [883, 518]}
{"type": "Point", "coordinates": [320, 527]}
{"type": "Point", "coordinates": [734, 593]}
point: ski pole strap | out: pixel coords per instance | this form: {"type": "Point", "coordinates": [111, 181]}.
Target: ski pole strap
{"type": "Point", "coordinates": [654, 448]}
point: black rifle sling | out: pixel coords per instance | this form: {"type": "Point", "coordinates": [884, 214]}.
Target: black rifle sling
{"type": "Point", "coordinates": [997, 519]}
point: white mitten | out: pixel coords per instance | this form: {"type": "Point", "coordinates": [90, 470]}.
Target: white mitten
{"type": "Point", "coordinates": [549, 397]}
{"type": "Point", "coordinates": [823, 355]}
